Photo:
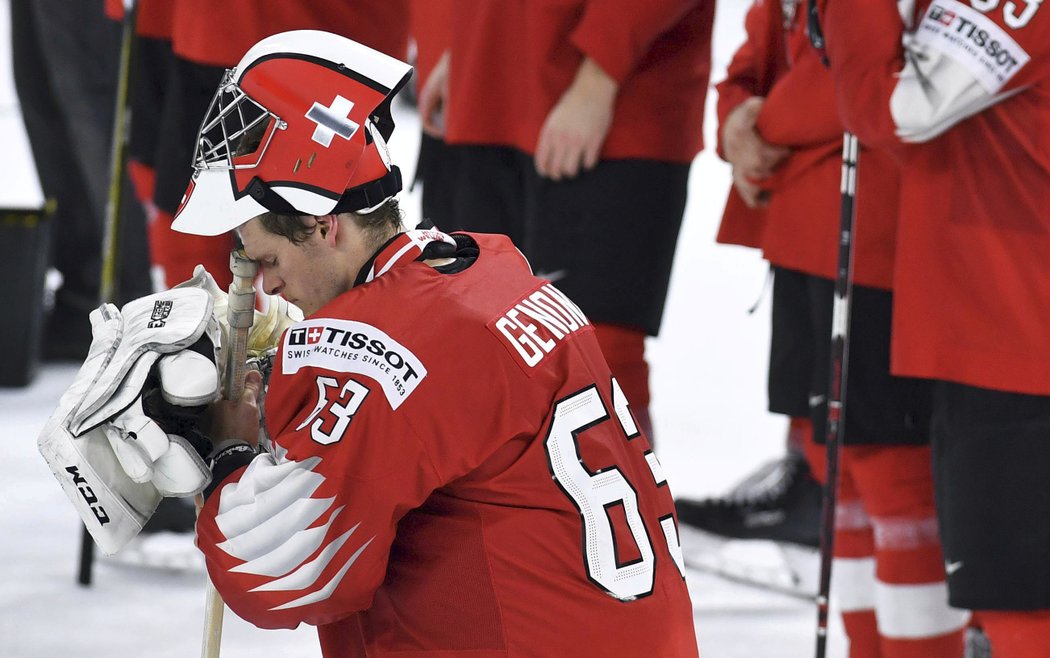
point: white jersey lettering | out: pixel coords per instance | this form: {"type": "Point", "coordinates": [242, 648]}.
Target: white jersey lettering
{"type": "Point", "coordinates": [538, 323]}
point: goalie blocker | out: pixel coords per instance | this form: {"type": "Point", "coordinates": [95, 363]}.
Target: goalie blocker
{"type": "Point", "coordinates": [112, 459]}
{"type": "Point", "coordinates": [124, 434]}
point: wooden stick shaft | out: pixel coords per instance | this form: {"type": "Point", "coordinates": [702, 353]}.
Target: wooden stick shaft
{"type": "Point", "coordinates": [240, 313]}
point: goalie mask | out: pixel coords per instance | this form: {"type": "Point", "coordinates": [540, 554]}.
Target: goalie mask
{"type": "Point", "coordinates": [299, 126]}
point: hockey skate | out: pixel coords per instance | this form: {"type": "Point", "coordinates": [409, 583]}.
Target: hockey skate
{"type": "Point", "coordinates": [780, 505]}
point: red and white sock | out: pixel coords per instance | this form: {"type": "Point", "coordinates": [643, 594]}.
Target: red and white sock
{"type": "Point", "coordinates": [911, 596]}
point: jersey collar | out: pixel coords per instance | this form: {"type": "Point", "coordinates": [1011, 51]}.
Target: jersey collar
{"type": "Point", "coordinates": [403, 248]}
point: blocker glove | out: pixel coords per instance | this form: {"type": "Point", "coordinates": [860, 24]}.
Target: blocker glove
{"type": "Point", "coordinates": [124, 434]}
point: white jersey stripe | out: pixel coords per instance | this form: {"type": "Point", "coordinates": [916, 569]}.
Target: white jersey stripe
{"type": "Point", "coordinates": [290, 479]}
{"type": "Point", "coordinates": [270, 533]}
{"type": "Point", "coordinates": [289, 555]}
{"type": "Point", "coordinates": [326, 591]}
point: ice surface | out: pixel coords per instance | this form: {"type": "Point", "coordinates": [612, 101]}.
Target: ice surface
{"type": "Point", "coordinates": [708, 372]}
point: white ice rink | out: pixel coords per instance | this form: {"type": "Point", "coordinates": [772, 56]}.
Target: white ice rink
{"type": "Point", "coordinates": [708, 374]}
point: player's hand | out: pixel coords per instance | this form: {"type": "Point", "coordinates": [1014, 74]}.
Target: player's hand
{"type": "Point", "coordinates": [753, 195]}
{"type": "Point", "coordinates": [434, 97]}
{"type": "Point", "coordinates": [238, 420]}
{"type": "Point", "coordinates": [744, 148]}
{"type": "Point", "coordinates": [573, 133]}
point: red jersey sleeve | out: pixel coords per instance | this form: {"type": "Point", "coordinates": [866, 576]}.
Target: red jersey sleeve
{"type": "Point", "coordinates": [756, 64]}
{"type": "Point", "coordinates": [617, 34]}
{"type": "Point", "coordinates": [800, 109]}
{"type": "Point", "coordinates": [962, 61]}
{"type": "Point", "coordinates": [864, 47]}
{"type": "Point", "coordinates": [155, 18]}
{"type": "Point", "coordinates": [304, 534]}
{"type": "Point", "coordinates": [752, 71]}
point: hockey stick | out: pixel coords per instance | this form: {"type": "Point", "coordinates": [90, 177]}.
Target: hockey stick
{"type": "Point", "coordinates": [836, 421]}
{"type": "Point", "coordinates": [837, 385]}
{"type": "Point", "coordinates": [114, 211]}
{"type": "Point", "coordinates": [240, 313]}
{"type": "Point", "coordinates": [118, 160]}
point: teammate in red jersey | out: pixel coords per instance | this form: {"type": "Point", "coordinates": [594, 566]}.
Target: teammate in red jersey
{"type": "Point", "coordinates": [454, 470]}
{"type": "Point", "coordinates": [963, 105]}
{"type": "Point", "coordinates": [782, 134]}
{"type": "Point", "coordinates": [575, 122]}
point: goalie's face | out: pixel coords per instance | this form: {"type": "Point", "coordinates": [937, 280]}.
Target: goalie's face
{"type": "Point", "coordinates": [310, 273]}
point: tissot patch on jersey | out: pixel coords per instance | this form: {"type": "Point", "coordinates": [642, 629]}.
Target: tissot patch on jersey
{"type": "Point", "coordinates": [537, 324]}
{"type": "Point", "coordinates": [348, 346]}
{"type": "Point", "coordinates": [974, 41]}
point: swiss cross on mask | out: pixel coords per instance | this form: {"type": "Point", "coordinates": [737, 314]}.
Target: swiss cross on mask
{"type": "Point", "coordinates": [332, 120]}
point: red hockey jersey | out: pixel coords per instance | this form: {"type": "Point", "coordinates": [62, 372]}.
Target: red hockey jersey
{"type": "Point", "coordinates": [512, 60]}
{"type": "Point", "coordinates": [972, 301]}
{"type": "Point", "coordinates": [799, 229]}
{"type": "Point", "coordinates": [219, 33]}
{"type": "Point", "coordinates": [456, 473]}
{"type": "Point", "coordinates": [430, 27]}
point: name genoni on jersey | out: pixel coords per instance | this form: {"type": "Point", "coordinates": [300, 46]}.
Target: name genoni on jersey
{"type": "Point", "coordinates": [538, 323]}
{"type": "Point", "coordinates": [357, 347]}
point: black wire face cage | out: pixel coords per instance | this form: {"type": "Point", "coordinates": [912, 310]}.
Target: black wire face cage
{"type": "Point", "coordinates": [234, 126]}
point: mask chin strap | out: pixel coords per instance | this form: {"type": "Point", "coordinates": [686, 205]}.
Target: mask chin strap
{"type": "Point", "coordinates": [364, 197]}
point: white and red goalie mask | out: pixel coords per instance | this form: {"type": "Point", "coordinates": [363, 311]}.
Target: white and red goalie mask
{"type": "Point", "coordinates": [299, 126]}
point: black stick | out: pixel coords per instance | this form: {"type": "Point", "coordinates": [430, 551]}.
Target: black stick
{"type": "Point", "coordinates": [837, 385]}
{"type": "Point", "coordinates": [114, 212]}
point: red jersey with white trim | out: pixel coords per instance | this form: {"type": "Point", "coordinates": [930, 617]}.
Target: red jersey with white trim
{"type": "Point", "coordinates": [512, 60]}
{"type": "Point", "coordinates": [972, 302]}
{"type": "Point", "coordinates": [455, 473]}
{"type": "Point", "coordinates": [799, 229]}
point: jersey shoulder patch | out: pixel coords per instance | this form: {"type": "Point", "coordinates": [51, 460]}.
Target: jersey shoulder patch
{"type": "Point", "coordinates": [357, 347]}
{"type": "Point", "coordinates": [973, 40]}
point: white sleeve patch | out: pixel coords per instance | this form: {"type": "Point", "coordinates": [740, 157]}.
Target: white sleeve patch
{"type": "Point", "coordinates": [326, 591]}
{"type": "Point", "coordinates": [268, 520]}
{"type": "Point", "coordinates": [308, 573]}
{"type": "Point", "coordinates": [973, 40]}
{"type": "Point", "coordinates": [271, 532]}
{"type": "Point", "coordinates": [293, 552]}
{"type": "Point", "coordinates": [357, 347]}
